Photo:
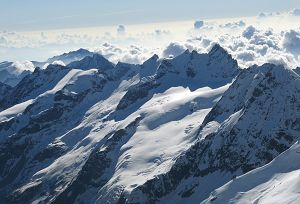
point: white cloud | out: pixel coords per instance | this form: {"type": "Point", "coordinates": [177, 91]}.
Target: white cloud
{"type": "Point", "coordinates": [265, 15]}
{"type": "Point", "coordinates": [231, 25]}
{"type": "Point", "coordinates": [274, 38]}
{"type": "Point", "coordinates": [291, 41]}
{"type": "Point", "coordinates": [262, 15]}
{"type": "Point", "coordinates": [247, 55]}
{"type": "Point", "coordinates": [58, 62]}
{"type": "Point", "coordinates": [173, 49]}
{"type": "Point", "coordinates": [129, 54]}
{"type": "Point", "coordinates": [18, 67]}
{"type": "Point", "coordinates": [198, 24]}
{"type": "Point", "coordinates": [249, 32]}
{"type": "Point", "coordinates": [295, 12]}
{"type": "Point", "coordinates": [121, 29]}
{"type": "Point", "coordinates": [159, 32]}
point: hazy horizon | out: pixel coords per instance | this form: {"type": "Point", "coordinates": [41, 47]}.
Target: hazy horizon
{"type": "Point", "coordinates": [44, 15]}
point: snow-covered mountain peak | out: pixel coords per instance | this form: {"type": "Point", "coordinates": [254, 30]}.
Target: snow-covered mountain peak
{"type": "Point", "coordinates": [190, 69]}
{"type": "Point", "coordinates": [257, 83]}
{"type": "Point", "coordinates": [150, 66]}
{"type": "Point", "coordinates": [90, 62]}
{"type": "Point", "coordinates": [215, 67]}
{"type": "Point", "coordinates": [151, 61]}
{"type": "Point", "coordinates": [53, 67]}
{"type": "Point", "coordinates": [69, 57]}
{"type": "Point", "coordinates": [217, 49]}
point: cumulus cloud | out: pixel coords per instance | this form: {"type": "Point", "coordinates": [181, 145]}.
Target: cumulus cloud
{"type": "Point", "coordinates": [249, 32]}
{"type": "Point", "coordinates": [173, 49]}
{"type": "Point", "coordinates": [249, 46]}
{"type": "Point", "coordinates": [159, 32]}
{"type": "Point", "coordinates": [19, 67]}
{"type": "Point", "coordinates": [247, 55]}
{"type": "Point", "coordinates": [258, 46]}
{"type": "Point", "coordinates": [121, 29]}
{"type": "Point", "coordinates": [233, 24]}
{"type": "Point", "coordinates": [295, 12]}
{"type": "Point", "coordinates": [58, 62]}
{"type": "Point", "coordinates": [264, 38]}
{"type": "Point", "coordinates": [128, 54]}
{"type": "Point", "coordinates": [262, 15]}
{"type": "Point", "coordinates": [198, 24]}
{"type": "Point", "coordinates": [291, 41]}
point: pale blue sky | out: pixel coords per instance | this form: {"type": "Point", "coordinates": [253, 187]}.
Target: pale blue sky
{"type": "Point", "coordinates": [27, 15]}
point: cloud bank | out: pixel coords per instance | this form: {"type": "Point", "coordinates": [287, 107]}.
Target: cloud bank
{"type": "Point", "coordinates": [270, 37]}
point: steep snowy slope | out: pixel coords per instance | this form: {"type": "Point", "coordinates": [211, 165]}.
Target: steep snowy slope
{"type": "Point", "coordinates": [74, 142]}
{"type": "Point", "coordinates": [257, 118]}
{"type": "Point", "coordinates": [276, 182]}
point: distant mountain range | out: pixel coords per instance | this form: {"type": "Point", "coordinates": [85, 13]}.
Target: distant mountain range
{"type": "Point", "coordinates": [192, 129]}
{"type": "Point", "coordinates": [11, 73]}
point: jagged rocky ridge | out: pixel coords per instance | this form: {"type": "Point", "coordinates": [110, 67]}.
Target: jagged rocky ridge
{"type": "Point", "coordinates": [95, 132]}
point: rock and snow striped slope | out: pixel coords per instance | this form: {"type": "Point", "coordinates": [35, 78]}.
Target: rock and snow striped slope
{"type": "Point", "coordinates": [276, 182]}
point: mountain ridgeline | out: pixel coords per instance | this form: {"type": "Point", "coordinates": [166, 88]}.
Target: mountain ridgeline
{"type": "Point", "coordinates": [178, 130]}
